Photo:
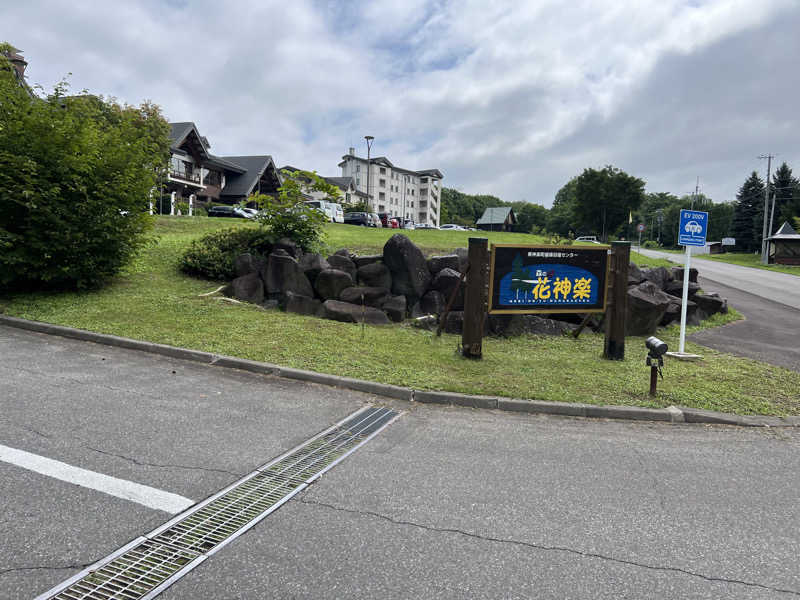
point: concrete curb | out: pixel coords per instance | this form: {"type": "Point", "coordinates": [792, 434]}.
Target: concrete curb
{"type": "Point", "coordinates": [672, 414]}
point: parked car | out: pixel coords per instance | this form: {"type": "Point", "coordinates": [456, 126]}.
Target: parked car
{"type": "Point", "coordinates": [385, 217]}
{"type": "Point", "coordinates": [394, 223]}
{"type": "Point", "coordinates": [338, 213]}
{"type": "Point", "coordinates": [229, 211]}
{"type": "Point", "coordinates": [409, 224]}
{"type": "Point", "coordinates": [451, 227]}
{"type": "Point", "coordinates": [251, 213]}
{"type": "Point", "coordinates": [326, 208]}
{"type": "Point", "coordinates": [375, 220]}
{"type": "Point", "coordinates": [357, 218]}
{"type": "Point", "coordinates": [587, 238]}
{"type": "Point", "coordinates": [425, 226]}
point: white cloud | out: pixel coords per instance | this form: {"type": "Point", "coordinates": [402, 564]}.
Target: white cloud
{"type": "Point", "coordinates": [504, 97]}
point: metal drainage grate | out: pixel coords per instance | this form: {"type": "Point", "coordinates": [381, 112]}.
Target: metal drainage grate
{"type": "Point", "coordinates": [148, 565]}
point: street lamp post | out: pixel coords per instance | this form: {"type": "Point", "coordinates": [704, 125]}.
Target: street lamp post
{"type": "Point", "coordinates": [369, 139]}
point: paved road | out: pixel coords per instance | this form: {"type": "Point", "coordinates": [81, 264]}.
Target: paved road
{"type": "Point", "coordinates": [778, 287]}
{"type": "Point", "coordinates": [770, 331]}
{"type": "Point", "coordinates": [446, 503]}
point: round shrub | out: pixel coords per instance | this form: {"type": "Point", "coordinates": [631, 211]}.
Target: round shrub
{"type": "Point", "coordinates": [213, 255]}
{"type": "Point", "coordinates": [75, 176]}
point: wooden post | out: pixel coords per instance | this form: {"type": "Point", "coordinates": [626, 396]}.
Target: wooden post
{"type": "Point", "coordinates": [614, 348]}
{"type": "Point", "coordinates": [475, 298]}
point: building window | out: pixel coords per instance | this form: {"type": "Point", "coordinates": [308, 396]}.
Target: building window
{"type": "Point", "coordinates": [383, 183]}
{"type": "Point", "coordinates": [383, 171]}
{"type": "Point", "coordinates": [358, 168]}
{"type": "Point", "coordinates": [347, 197]}
{"type": "Point", "coordinates": [358, 181]}
{"type": "Point", "coordinates": [424, 180]}
{"type": "Point", "coordinates": [381, 196]}
{"type": "Point", "coordinates": [412, 204]}
{"type": "Point", "coordinates": [381, 208]}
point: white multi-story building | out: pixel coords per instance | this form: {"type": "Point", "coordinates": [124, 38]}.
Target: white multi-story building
{"type": "Point", "coordinates": [402, 193]}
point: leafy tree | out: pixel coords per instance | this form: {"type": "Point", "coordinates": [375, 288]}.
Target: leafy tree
{"type": "Point", "coordinates": [286, 215]}
{"type": "Point", "coordinates": [357, 207]}
{"type": "Point", "coordinates": [75, 174]}
{"type": "Point", "coordinates": [747, 211]}
{"type": "Point", "coordinates": [605, 198]}
{"type": "Point", "coordinates": [465, 209]}
{"type": "Point", "coordinates": [531, 218]}
{"type": "Point", "coordinates": [561, 217]}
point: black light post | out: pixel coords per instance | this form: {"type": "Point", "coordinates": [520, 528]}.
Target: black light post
{"type": "Point", "coordinates": [369, 139]}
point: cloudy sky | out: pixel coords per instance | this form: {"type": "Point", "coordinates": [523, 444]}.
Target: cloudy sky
{"type": "Point", "coordinates": [509, 98]}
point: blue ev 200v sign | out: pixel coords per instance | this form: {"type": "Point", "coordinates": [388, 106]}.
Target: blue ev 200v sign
{"type": "Point", "coordinates": [692, 228]}
{"type": "Point", "coordinates": [540, 279]}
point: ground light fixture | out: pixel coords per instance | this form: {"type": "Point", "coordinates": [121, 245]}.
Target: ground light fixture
{"type": "Point", "coordinates": [656, 349]}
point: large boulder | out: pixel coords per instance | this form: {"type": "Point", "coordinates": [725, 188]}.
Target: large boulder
{"type": "Point", "coordinates": [375, 275]}
{"type": "Point", "coordinates": [446, 282]}
{"type": "Point", "coordinates": [290, 246]}
{"type": "Point", "coordinates": [635, 275]}
{"type": "Point", "coordinates": [313, 265]}
{"type": "Point", "coordinates": [432, 303]}
{"type": "Point", "coordinates": [658, 275]}
{"type": "Point", "coordinates": [710, 304]}
{"type": "Point", "coordinates": [673, 313]}
{"type": "Point", "coordinates": [675, 288]}
{"type": "Point", "coordinates": [362, 261]}
{"type": "Point", "coordinates": [331, 282]}
{"type": "Point", "coordinates": [677, 274]}
{"type": "Point", "coordinates": [515, 325]}
{"type": "Point", "coordinates": [407, 264]}
{"type": "Point", "coordinates": [463, 259]}
{"type": "Point", "coordinates": [283, 274]}
{"type": "Point", "coordinates": [353, 313]}
{"type": "Point", "coordinates": [646, 307]}
{"type": "Point", "coordinates": [302, 305]}
{"type": "Point", "coordinates": [395, 308]}
{"type": "Point", "coordinates": [437, 263]}
{"type": "Point", "coordinates": [247, 263]}
{"type": "Point", "coordinates": [373, 296]}
{"type": "Point", "coordinates": [343, 263]}
{"type": "Point", "coordinates": [247, 288]}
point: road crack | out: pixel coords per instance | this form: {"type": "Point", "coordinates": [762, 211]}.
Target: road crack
{"type": "Point", "coordinates": [46, 568]}
{"type": "Point", "coordinates": [542, 547]}
{"type": "Point", "coordinates": [162, 466]}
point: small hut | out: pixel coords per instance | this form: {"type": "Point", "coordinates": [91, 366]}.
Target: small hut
{"type": "Point", "coordinates": [784, 246]}
{"type": "Point", "coordinates": [497, 218]}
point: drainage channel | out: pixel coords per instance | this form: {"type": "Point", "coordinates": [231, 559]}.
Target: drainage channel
{"type": "Point", "coordinates": [150, 564]}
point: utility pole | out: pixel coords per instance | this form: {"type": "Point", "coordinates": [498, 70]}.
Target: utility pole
{"type": "Point", "coordinates": [764, 257]}
{"type": "Point", "coordinates": [696, 191]}
{"type": "Point", "coordinates": [369, 139]}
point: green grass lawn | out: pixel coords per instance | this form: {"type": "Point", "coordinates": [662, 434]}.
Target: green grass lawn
{"type": "Point", "coordinates": [153, 301]}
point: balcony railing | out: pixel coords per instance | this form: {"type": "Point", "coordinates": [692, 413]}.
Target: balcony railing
{"type": "Point", "coordinates": [178, 174]}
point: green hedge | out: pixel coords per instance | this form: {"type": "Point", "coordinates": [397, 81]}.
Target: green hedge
{"type": "Point", "coordinates": [213, 256]}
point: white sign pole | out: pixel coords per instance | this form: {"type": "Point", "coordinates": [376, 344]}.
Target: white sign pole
{"type": "Point", "coordinates": [685, 297]}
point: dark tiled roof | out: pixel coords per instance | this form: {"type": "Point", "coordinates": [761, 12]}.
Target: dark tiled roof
{"type": "Point", "coordinates": [786, 232]}
{"type": "Point", "coordinates": [243, 184]}
{"type": "Point", "coordinates": [495, 215]}
{"type": "Point", "coordinates": [343, 183]}
{"type": "Point", "coordinates": [220, 163]}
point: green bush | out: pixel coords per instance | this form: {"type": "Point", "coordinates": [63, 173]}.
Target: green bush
{"type": "Point", "coordinates": [183, 207]}
{"type": "Point", "coordinates": [75, 175]}
{"type": "Point", "coordinates": [213, 256]}
{"type": "Point", "coordinates": [650, 244]}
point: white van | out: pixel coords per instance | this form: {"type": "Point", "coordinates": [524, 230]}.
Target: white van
{"type": "Point", "coordinates": [338, 213]}
{"type": "Point", "coordinates": [326, 208]}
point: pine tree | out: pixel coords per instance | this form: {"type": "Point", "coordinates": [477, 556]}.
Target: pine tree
{"type": "Point", "coordinates": [786, 190]}
{"type": "Point", "coordinates": [746, 220]}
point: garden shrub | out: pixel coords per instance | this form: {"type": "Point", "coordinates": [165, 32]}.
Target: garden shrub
{"type": "Point", "coordinates": [182, 207]}
{"type": "Point", "coordinates": [650, 244]}
{"type": "Point", "coordinates": [213, 256]}
{"type": "Point", "coordinates": [75, 175]}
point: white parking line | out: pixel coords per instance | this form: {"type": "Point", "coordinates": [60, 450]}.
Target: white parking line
{"type": "Point", "coordinates": [127, 490]}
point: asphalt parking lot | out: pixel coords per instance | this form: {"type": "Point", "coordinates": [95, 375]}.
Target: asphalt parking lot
{"type": "Point", "coordinates": [445, 503]}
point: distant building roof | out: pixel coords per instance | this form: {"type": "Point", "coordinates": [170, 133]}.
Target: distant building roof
{"type": "Point", "coordinates": [382, 160]}
{"type": "Point", "coordinates": [343, 183]}
{"type": "Point", "coordinates": [786, 232]}
{"type": "Point", "coordinates": [254, 166]}
{"type": "Point", "coordinates": [496, 215]}
{"type": "Point", "coordinates": [186, 132]}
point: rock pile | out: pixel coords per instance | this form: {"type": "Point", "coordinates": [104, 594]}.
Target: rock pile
{"type": "Point", "coordinates": [402, 282]}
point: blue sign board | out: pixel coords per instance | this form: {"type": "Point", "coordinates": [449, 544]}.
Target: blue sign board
{"type": "Point", "coordinates": [692, 228]}
{"type": "Point", "coordinates": [531, 279]}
